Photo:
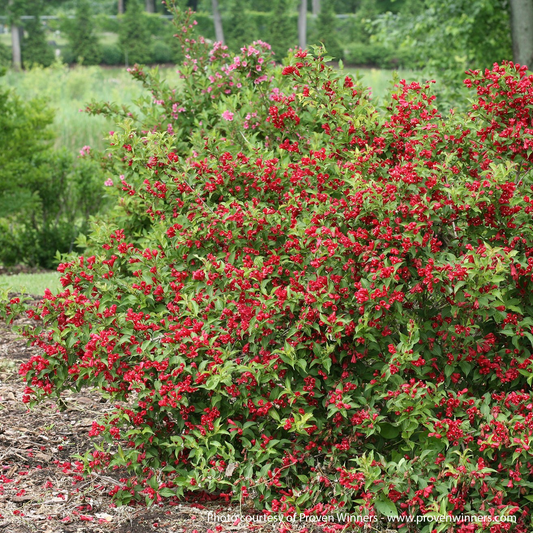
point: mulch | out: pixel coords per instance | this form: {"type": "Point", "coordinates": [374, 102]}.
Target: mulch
{"type": "Point", "coordinates": [40, 489]}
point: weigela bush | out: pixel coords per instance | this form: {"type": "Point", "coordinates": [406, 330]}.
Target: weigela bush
{"type": "Point", "coordinates": [306, 303]}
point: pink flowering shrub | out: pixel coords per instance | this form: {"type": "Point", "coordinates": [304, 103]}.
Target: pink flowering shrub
{"type": "Point", "coordinates": [331, 311]}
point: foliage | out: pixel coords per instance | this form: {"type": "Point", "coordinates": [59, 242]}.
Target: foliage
{"type": "Point", "coordinates": [134, 38]}
{"type": "Point", "coordinates": [303, 303]}
{"type": "Point", "coordinates": [34, 47]}
{"type": "Point", "coordinates": [239, 30]}
{"type": "Point", "coordinates": [476, 33]}
{"type": "Point", "coordinates": [282, 30]}
{"type": "Point", "coordinates": [45, 199]}
{"type": "Point", "coordinates": [112, 55]}
{"type": "Point", "coordinates": [83, 40]}
{"type": "Point", "coordinates": [325, 29]}
{"type": "Point", "coordinates": [377, 55]}
{"type": "Point", "coordinates": [161, 52]}
{"type": "Point", "coordinates": [5, 56]}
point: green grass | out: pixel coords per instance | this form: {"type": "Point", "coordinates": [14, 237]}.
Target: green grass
{"type": "Point", "coordinates": [379, 80]}
{"type": "Point", "coordinates": [69, 90]}
{"type": "Point", "coordinates": [31, 283]}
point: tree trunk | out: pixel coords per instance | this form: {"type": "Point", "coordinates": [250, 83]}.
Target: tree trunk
{"type": "Point", "coordinates": [120, 7]}
{"type": "Point", "coordinates": [150, 6]}
{"type": "Point", "coordinates": [522, 31]}
{"type": "Point", "coordinates": [316, 7]}
{"type": "Point", "coordinates": [302, 25]}
{"type": "Point", "coordinates": [15, 43]}
{"type": "Point", "coordinates": [219, 32]}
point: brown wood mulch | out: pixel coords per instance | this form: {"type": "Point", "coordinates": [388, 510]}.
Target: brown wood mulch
{"type": "Point", "coordinates": [40, 490]}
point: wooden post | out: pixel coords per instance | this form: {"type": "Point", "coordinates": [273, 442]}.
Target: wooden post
{"type": "Point", "coordinates": [15, 44]}
{"type": "Point", "coordinates": [219, 32]}
{"type": "Point", "coordinates": [302, 25]}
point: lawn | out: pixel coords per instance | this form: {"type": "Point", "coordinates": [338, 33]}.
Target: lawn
{"type": "Point", "coordinates": [31, 283]}
{"type": "Point", "coordinates": [70, 89]}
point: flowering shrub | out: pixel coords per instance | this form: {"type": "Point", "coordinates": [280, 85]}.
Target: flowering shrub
{"type": "Point", "coordinates": [327, 310]}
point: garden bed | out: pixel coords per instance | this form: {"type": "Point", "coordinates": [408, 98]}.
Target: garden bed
{"type": "Point", "coordinates": [40, 489]}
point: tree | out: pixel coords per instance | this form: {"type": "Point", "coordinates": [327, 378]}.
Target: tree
{"type": "Point", "coordinates": [282, 33]}
{"type": "Point", "coordinates": [133, 37]}
{"type": "Point", "coordinates": [35, 48]}
{"type": "Point", "coordinates": [82, 38]}
{"type": "Point", "coordinates": [302, 24]}
{"type": "Point", "coordinates": [522, 31]}
{"type": "Point", "coordinates": [316, 7]}
{"type": "Point", "coordinates": [325, 31]}
{"type": "Point", "coordinates": [476, 33]}
{"type": "Point", "coordinates": [217, 19]}
{"type": "Point", "coordinates": [239, 31]}
{"type": "Point", "coordinates": [150, 6]}
{"type": "Point", "coordinates": [14, 11]}
{"type": "Point", "coordinates": [15, 46]}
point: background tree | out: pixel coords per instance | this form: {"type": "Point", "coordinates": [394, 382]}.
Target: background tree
{"type": "Point", "coordinates": [239, 31]}
{"type": "Point", "coordinates": [133, 37]}
{"type": "Point", "coordinates": [82, 38]}
{"type": "Point", "coordinates": [35, 49]}
{"type": "Point", "coordinates": [14, 9]}
{"type": "Point", "coordinates": [282, 33]}
{"type": "Point", "coordinates": [150, 6]}
{"type": "Point", "coordinates": [476, 32]}
{"type": "Point", "coordinates": [325, 31]}
{"type": "Point", "coordinates": [302, 24]}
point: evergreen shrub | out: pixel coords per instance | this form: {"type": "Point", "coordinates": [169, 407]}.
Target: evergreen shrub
{"type": "Point", "coordinates": [83, 41]}
{"type": "Point", "coordinates": [134, 37]}
{"type": "Point", "coordinates": [34, 47]}
{"type": "Point", "coordinates": [112, 55]}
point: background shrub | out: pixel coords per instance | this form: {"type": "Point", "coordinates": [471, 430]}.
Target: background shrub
{"type": "Point", "coordinates": [83, 41]}
{"type": "Point", "coordinates": [112, 54]}
{"type": "Point", "coordinates": [5, 55]}
{"type": "Point", "coordinates": [240, 29]}
{"type": "Point", "coordinates": [162, 52]}
{"type": "Point", "coordinates": [282, 31]}
{"type": "Point", "coordinates": [325, 30]}
{"type": "Point", "coordinates": [134, 36]}
{"type": "Point", "coordinates": [46, 198]}
{"type": "Point", "coordinates": [35, 48]}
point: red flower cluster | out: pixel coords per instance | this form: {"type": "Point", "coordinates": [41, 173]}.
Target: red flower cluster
{"type": "Point", "coordinates": [331, 312]}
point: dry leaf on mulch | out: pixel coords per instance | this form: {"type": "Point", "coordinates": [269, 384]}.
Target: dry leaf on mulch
{"type": "Point", "coordinates": [40, 489]}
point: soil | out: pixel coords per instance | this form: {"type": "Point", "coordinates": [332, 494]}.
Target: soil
{"type": "Point", "coordinates": [40, 491]}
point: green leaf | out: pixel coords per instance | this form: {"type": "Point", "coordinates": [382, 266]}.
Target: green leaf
{"type": "Point", "coordinates": [388, 431]}
{"type": "Point", "coordinates": [167, 493]}
{"type": "Point", "coordinates": [385, 506]}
